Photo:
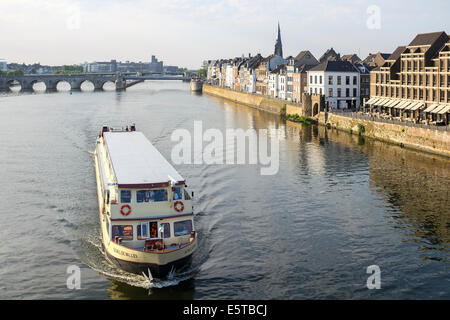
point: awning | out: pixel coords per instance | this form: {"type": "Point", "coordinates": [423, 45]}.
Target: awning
{"type": "Point", "coordinates": [408, 105]}
{"type": "Point", "coordinates": [402, 105]}
{"type": "Point", "coordinates": [387, 102]}
{"type": "Point", "coordinates": [418, 106]}
{"type": "Point", "coordinates": [393, 103]}
{"type": "Point", "coordinates": [381, 102]}
{"type": "Point", "coordinates": [372, 100]}
{"type": "Point", "coordinates": [438, 109]}
{"type": "Point", "coordinates": [445, 110]}
{"type": "Point", "coordinates": [412, 105]}
{"type": "Point", "coordinates": [431, 108]}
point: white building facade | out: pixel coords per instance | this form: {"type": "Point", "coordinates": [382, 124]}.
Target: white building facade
{"type": "Point", "coordinates": [338, 81]}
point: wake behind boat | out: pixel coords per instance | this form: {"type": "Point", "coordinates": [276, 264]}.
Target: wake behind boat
{"type": "Point", "coordinates": [146, 213]}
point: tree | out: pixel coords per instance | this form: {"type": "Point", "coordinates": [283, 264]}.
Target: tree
{"type": "Point", "coordinates": [202, 73]}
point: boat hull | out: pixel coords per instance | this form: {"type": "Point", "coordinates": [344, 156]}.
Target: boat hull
{"type": "Point", "coordinates": [158, 271]}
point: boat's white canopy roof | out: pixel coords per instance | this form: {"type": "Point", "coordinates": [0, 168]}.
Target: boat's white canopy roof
{"type": "Point", "coordinates": [137, 163]}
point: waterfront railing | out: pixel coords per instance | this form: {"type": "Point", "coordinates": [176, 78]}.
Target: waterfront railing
{"type": "Point", "coordinates": [358, 115]}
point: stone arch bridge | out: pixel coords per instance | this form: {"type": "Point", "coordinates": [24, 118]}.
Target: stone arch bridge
{"type": "Point", "coordinates": [121, 81]}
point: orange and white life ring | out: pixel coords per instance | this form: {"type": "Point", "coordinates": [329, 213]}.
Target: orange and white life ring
{"type": "Point", "coordinates": [179, 206]}
{"type": "Point", "coordinates": [125, 213]}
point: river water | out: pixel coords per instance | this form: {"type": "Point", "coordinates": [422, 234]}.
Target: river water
{"type": "Point", "coordinates": [338, 205]}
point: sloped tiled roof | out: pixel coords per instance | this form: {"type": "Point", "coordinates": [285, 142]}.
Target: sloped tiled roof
{"type": "Point", "coordinates": [397, 53]}
{"type": "Point", "coordinates": [335, 66]}
{"type": "Point", "coordinates": [427, 38]}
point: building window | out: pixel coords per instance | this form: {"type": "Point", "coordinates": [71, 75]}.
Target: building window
{"type": "Point", "coordinates": [125, 196]}
{"type": "Point", "coordinates": [355, 93]}
{"type": "Point", "coordinates": [339, 80]}
{"type": "Point", "coordinates": [347, 92]}
{"type": "Point", "coordinates": [347, 80]}
{"type": "Point", "coordinates": [320, 79]}
{"type": "Point", "coordinates": [330, 80]}
{"type": "Point", "coordinates": [339, 92]}
{"type": "Point", "coordinates": [330, 92]}
{"type": "Point", "coordinates": [355, 81]}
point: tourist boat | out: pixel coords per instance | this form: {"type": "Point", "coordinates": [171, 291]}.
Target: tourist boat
{"type": "Point", "coordinates": [196, 85]}
{"type": "Point", "coordinates": [146, 212]}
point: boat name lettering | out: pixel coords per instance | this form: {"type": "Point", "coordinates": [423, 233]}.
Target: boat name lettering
{"type": "Point", "coordinates": [123, 253]}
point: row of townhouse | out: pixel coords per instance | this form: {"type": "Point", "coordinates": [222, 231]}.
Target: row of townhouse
{"type": "Point", "coordinates": [343, 81]}
{"type": "Point", "coordinates": [343, 84]}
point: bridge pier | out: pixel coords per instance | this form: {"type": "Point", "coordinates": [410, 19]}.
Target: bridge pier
{"type": "Point", "coordinates": [75, 85]}
{"type": "Point", "coordinates": [121, 84]}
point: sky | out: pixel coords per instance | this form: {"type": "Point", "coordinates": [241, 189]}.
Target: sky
{"type": "Point", "coordinates": [187, 32]}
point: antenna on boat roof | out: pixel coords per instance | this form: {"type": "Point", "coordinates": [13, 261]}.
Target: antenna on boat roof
{"type": "Point", "coordinates": [172, 181]}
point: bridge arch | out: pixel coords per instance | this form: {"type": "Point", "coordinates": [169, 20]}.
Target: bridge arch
{"type": "Point", "coordinates": [87, 82]}
{"type": "Point", "coordinates": [13, 85]}
{"type": "Point", "coordinates": [109, 85]}
{"type": "Point", "coordinates": [62, 85]}
{"type": "Point", "coordinates": [36, 81]}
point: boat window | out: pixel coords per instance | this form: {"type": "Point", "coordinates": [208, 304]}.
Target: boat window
{"type": "Point", "coordinates": [124, 232]}
{"type": "Point", "coordinates": [178, 194]}
{"type": "Point", "coordinates": [144, 232]}
{"type": "Point", "coordinates": [147, 230]}
{"type": "Point", "coordinates": [182, 228]}
{"type": "Point", "coordinates": [160, 195]}
{"type": "Point", "coordinates": [166, 228]}
{"type": "Point", "coordinates": [142, 196]}
{"type": "Point", "coordinates": [125, 196]}
{"type": "Point", "coordinates": [151, 195]}
{"type": "Point", "coordinates": [186, 195]}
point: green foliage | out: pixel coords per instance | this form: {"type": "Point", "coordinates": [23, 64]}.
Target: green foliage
{"type": "Point", "coordinates": [69, 70]}
{"type": "Point", "coordinates": [361, 129]}
{"type": "Point", "coordinates": [302, 119]}
{"type": "Point", "coordinates": [202, 73]}
{"type": "Point", "coordinates": [17, 72]}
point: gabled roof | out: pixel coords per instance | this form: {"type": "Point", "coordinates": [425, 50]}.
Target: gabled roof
{"type": "Point", "coordinates": [335, 66]}
{"type": "Point", "coordinates": [397, 53]}
{"type": "Point", "coordinates": [349, 57]}
{"type": "Point", "coordinates": [278, 69]}
{"type": "Point", "coordinates": [425, 39]}
{"type": "Point", "coordinates": [302, 54]}
{"type": "Point", "coordinates": [304, 68]}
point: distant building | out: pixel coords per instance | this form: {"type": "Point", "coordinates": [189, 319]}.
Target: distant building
{"type": "Point", "coordinates": [171, 69]}
{"type": "Point", "coordinates": [156, 66]}
{"type": "Point", "coordinates": [376, 59]}
{"type": "Point", "coordinates": [352, 58]}
{"type": "Point", "coordinates": [3, 65]}
{"type": "Point", "coordinates": [330, 55]}
{"type": "Point", "coordinates": [100, 67]}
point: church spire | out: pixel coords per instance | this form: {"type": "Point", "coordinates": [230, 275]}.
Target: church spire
{"type": "Point", "coordinates": [278, 44]}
